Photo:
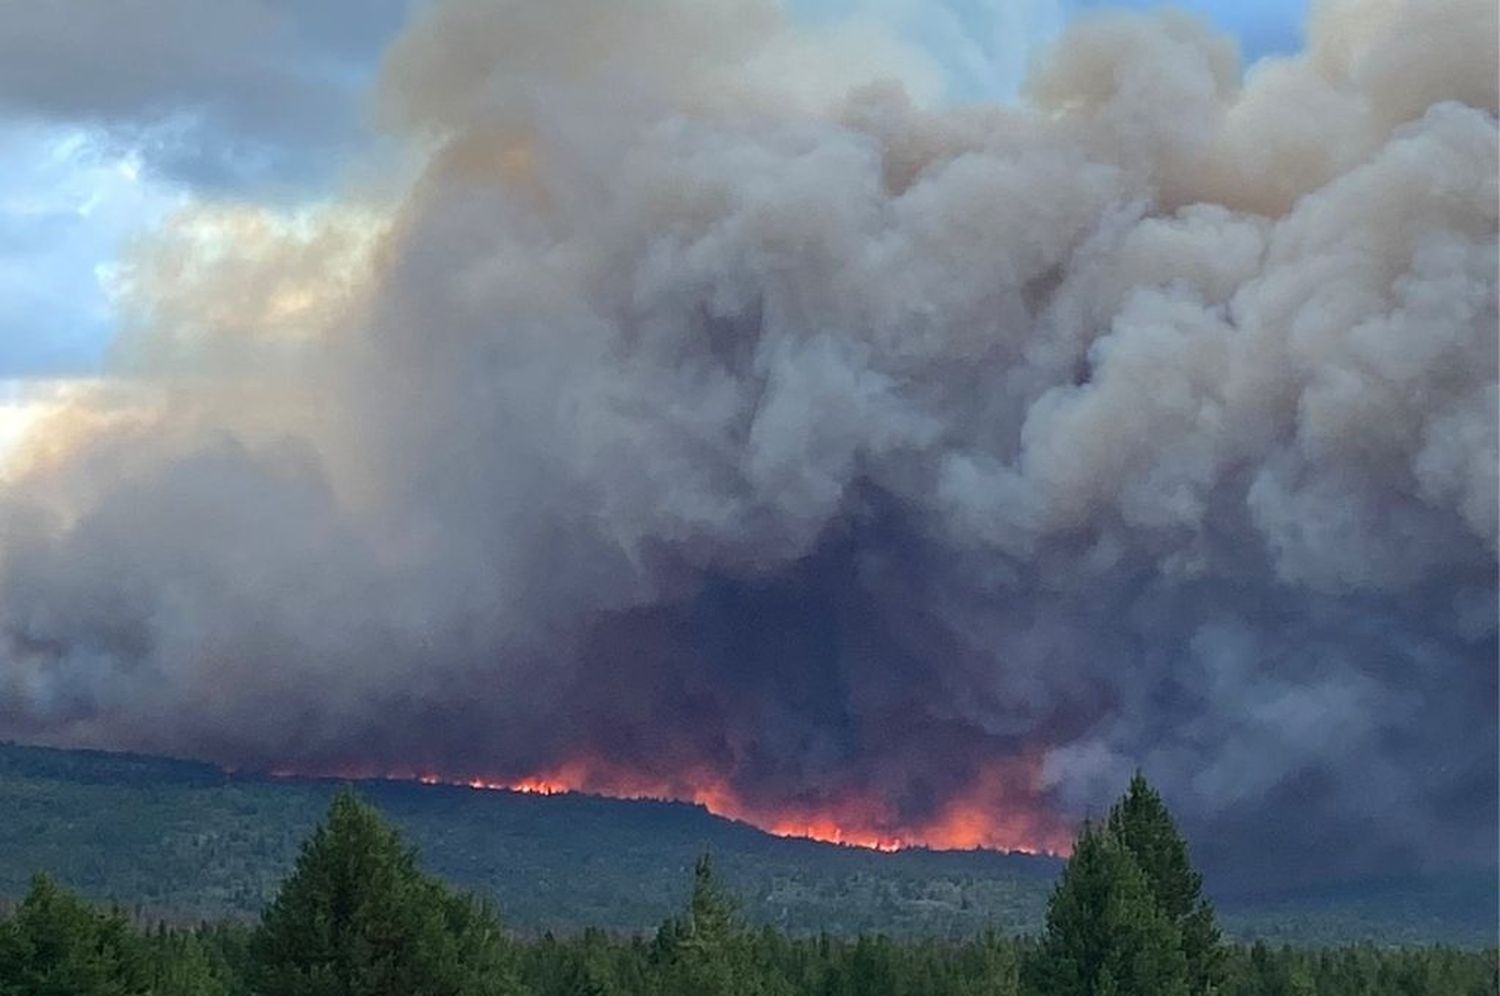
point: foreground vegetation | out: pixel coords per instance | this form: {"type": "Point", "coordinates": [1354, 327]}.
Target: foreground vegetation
{"type": "Point", "coordinates": [358, 917]}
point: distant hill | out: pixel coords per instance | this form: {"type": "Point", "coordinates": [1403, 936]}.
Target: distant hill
{"type": "Point", "coordinates": [188, 841]}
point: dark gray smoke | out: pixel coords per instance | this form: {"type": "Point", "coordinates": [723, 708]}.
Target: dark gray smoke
{"type": "Point", "coordinates": [709, 406]}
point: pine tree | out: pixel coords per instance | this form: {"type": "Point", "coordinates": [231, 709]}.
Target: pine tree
{"type": "Point", "coordinates": [58, 945]}
{"type": "Point", "coordinates": [358, 918]}
{"type": "Point", "coordinates": [1141, 822]}
{"type": "Point", "coordinates": [705, 939]}
{"type": "Point", "coordinates": [1105, 933]}
{"type": "Point", "coordinates": [183, 966]}
{"type": "Point", "coordinates": [713, 919]}
{"type": "Point", "coordinates": [709, 952]}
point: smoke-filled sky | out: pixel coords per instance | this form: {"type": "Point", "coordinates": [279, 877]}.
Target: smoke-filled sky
{"type": "Point", "coordinates": [915, 417]}
{"type": "Point", "coordinates": [112, 118]}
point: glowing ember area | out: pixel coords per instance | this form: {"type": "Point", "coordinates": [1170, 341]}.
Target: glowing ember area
{"type": "Point", "coordinates": [997, 812]}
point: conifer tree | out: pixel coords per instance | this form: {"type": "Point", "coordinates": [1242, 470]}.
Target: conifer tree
{"type": "Point", "coordinates": [58, 945]}
{"type": "Point", "coordinates": [706, 937]}
{"type": "Point", "coordinates": [181, 965]}
{"type": "Point", "coordinates": [1105, 933]}
{"type": "Point", "coordinates": [713, 920]}
{"type": "Point", "coordinates": [710, 949]}
{"type": "Point", "coordinates": [1141, 822]}
{"type": "Point", "coordinates": [358, 918]}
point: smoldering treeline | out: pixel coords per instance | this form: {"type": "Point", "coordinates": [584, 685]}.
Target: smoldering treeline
{"type": "Point", "coordinates": [709, 405]}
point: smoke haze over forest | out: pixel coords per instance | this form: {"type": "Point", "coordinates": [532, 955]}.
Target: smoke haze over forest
{"type": "Point", "coordinates": [686, 400]}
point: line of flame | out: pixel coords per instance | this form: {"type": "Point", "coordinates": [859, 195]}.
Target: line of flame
{"type": "Point", "coordinates": [978, 819]}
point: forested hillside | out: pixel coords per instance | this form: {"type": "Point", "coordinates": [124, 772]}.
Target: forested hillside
{"type": "Point", "coordinates": [359, 916]}
{"type": "Point", "coordinates": [187, 841]}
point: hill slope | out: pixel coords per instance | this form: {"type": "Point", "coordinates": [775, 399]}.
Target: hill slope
{"type": "Point", "coordinates": [189, 841]}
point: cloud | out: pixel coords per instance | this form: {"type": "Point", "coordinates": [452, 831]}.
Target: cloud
{"type": "Point", "coordinates": [114, 114]}
{"type": "Point", "coordinates": [220, 95]}
{"type": "Point", "coordinates": [65, 211]}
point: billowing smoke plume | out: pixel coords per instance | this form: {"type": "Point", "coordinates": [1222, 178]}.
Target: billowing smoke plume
{"type": "Point", "coordinates": [713, 410]}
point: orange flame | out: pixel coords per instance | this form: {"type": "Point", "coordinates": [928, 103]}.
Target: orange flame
{"type": "Point", "coordinates": [998, 811]}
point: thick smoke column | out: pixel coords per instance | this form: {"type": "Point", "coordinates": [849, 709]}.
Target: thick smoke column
{"type": "Point", "coordinates": [708, 416]}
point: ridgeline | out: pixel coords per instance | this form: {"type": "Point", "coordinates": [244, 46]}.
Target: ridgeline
{"type": "Point", "coordinates": [185, 842]}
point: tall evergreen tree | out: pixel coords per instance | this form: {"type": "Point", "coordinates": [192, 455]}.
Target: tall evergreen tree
{"type": "Point", "coordinates": [1105, 934]}
{"type": "Point", "coordinates": [182, 965]}
{"type": "Point", "coordinates": [58, 945]}
{"type": "Point", "coordinates": [713, 916]}
{"type": "Point", "coordinates": [1141, 822]}
{"type": "Point", "coordinates": [710, 952]}
{"type": "Point", "coordinates": [358, 918]}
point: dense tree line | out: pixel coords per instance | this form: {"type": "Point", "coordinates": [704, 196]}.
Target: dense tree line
{"type": "Point", "coordinates": [358, 917]}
